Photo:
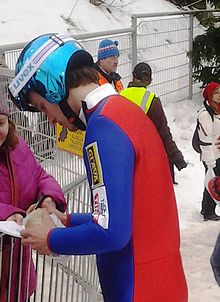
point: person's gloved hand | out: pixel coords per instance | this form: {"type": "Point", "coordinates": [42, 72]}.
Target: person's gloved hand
{"type": "Point", "coordinates": [180, 164]}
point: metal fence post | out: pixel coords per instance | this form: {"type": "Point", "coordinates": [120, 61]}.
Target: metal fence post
{"type": "Point", "coordinates": [2, 60]}
{"type": "Point", "coordinates": [134, 40]}
{"type": "Point", "coordinates": [190, 92]}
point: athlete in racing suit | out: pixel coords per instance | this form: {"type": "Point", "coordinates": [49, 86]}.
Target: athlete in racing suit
{"type": "Point", "coordinates": [136, 245]}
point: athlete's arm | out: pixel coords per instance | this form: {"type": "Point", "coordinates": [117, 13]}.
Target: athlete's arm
{"type": "Point", "coordinates": [111, 227]}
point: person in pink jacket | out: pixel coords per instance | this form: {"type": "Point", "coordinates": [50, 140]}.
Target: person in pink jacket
{"type": "Point", "coordinates": [23, 181]}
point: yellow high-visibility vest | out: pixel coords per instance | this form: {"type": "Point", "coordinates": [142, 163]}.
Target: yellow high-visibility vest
{"type": "Point", "coordinates": [140, 96]}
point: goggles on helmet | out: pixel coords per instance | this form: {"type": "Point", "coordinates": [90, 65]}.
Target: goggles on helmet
{"type": "Point", "coordinates": [41, 67]}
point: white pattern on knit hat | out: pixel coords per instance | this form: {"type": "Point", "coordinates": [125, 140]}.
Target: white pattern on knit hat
{"type": "Point", "coordinates": [107, 48]}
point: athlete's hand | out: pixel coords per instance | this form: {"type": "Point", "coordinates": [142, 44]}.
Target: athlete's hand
{"type": "Point", "coordinates": [37, 236]}
{"type": "Point", "coordinates": [60, 215]}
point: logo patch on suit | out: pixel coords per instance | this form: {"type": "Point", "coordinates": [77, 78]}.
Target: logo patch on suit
{"type": "Point", "coordinates": [100, 207]}
{"type": "Point", "coordinates": [95, 164]}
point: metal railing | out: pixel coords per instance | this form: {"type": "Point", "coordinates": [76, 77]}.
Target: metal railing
{"type": "Point", "coordinates": [168, 33]}
{"type": "Point", "coordinates": [77, 279]}
{"type": "Point", "coordinates": [41, 138]}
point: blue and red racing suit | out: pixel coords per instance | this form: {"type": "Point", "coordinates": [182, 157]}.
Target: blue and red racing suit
{"type": "Point", "coordinates": [133, 229]}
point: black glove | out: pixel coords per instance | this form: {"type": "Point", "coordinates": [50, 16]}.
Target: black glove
{"type": "Point", "coordinates": [180, 164]}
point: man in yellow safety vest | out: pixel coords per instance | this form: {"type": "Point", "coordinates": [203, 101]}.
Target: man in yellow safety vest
{"type": "Point", "coordinates": [138, 93]}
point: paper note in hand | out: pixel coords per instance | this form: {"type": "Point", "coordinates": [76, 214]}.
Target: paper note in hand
{"type": "Point", "coordinates": [11, 228]}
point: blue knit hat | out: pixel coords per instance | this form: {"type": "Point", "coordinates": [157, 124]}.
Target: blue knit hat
{"type": "Point", "coordinates": [107, 48]}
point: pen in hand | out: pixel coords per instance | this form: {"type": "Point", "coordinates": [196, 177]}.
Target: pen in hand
{"type": "Point", "coordinates": [39, 202]}
{"type": "Point", "coordinates": [33, 217]}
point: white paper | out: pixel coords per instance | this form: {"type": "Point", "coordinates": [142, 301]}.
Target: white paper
{"type": "Point", "coordinates": [11, 228]}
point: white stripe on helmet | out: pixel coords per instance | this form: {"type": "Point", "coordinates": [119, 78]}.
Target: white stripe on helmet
{"type": "Point", "coordinates": [32, 64]}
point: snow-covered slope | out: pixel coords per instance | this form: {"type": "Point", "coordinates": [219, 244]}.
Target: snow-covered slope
{"type": "Point", "coordinates": [22, 20]}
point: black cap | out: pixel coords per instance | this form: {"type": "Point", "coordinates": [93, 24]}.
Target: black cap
{"type": "Point", "coordinates": [142, 70]}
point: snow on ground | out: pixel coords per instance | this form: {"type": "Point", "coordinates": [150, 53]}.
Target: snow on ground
{"type": "Point", "coordinates": [197, 237]}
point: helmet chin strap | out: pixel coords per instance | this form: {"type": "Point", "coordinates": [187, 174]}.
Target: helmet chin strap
{"type": "Point", "coordinates": [71, 115]}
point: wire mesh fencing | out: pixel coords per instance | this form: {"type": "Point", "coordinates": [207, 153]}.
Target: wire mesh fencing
{"type": "Point", "coordinates": [67, 278]}
{"type": "Point", "coordinates": [162, 40]}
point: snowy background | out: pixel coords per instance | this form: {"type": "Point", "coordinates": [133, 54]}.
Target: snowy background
{"type": "Point", "coordinates": [197, 237]}
{"type": "Point", "coordinates": [23, 20]}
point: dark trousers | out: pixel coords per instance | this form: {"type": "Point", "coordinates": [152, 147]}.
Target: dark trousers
{"type": "Point", "coordinates": [215, 260]}
{"type": "Point", "coordinates": [208, 204]}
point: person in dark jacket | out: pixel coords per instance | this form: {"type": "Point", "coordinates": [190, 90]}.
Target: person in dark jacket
{"type": "Point", "coordinates": [138, 93]}
{"type": "Point", "coordinates": [107, 64]}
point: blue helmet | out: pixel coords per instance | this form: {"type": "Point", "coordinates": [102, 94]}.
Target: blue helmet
{"type": "Point", "coordinates": [41, 67]}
